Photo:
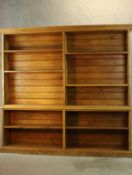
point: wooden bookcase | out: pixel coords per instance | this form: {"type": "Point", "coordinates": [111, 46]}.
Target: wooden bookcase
{"type": "Point", "coordinates": [66, 90]}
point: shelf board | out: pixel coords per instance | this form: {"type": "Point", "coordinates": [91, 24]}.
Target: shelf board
{"type": "Point", "coordinates": [96, 128]}
{"type": "Point", "coordinates": [97, 108]}
{"type": "Point", "coordinates": [32, 51]}
{"type": "Point", "coordinates": [97, 85]}
{"type": "Point", "coordinates": [59, 127]}
{"type": "Point", "coordinates": [65, 107]}
{"type": "Point", "coordinates": [31, 127]}
{"type": "Point", "coordinates": [96, 53]}
{"type": "Point", "coordinates": [33, 107]}
{"type": "Point", "coordinates": [41, 149]}
{"type": "Point", "coordinates": [34, 71]}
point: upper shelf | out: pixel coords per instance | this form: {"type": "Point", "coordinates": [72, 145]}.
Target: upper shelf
{"type": "Point", "coordinates": [34, 71]}
{"type": "Point", "coordinates": [32, 51]}
{"type": "Point", "coordinates": [95, 53]}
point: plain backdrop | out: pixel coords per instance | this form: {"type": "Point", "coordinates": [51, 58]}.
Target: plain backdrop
{"type": "Point", "coordinates": [32, 13]}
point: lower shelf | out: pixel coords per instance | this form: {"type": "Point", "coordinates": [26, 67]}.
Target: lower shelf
{"type": "Point", "coordinates": [97, 139]}
{"type": "Point", "coordinates": [27, 149]}
{"type": "Point", "coordinates": [47, 137]}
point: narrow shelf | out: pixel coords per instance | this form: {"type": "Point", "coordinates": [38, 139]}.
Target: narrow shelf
{"type": "Point", "coordinates": [65, 107]}
{"type": "Point", "coordinates": [95, 53]}
{"type": "Point", "coordinates": [31, 127]}
{"type": "Point", "coordinates": [32, 51]}
{"type": "Point", "coordinates": [96, 128]}
{"type": "Point", "coordinates": [97, 108]}
{"type": "Point", "coordinates": [97, 85]}
{"type": "Point", "coordinates": [34, 71]}
{"type": "Point", "coordinates": [33, 107]}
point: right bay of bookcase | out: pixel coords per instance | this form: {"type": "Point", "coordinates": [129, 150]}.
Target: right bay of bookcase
{"type": "Point", "coordinates": [97, 74]}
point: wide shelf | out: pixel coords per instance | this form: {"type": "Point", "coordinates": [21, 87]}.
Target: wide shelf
{"type": "Point", "coordinates": [31, 127]}
{"type": "Point", "coordinates": [66, 107]}
{"type": "Point", "coordinates": [40, 149]}
{"type": "Point", "coordinates": [56, 148]}
{"type": "Point", "coordinates": [59, 127]}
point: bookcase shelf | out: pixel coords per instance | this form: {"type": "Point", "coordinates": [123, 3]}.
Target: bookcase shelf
{"type": "Point", "coordinates": [97, 85]}
{"type": "Point", "coordinates": [31, 127]}
{"type": "Point", "coordinates": [96, 128]}
{"type": "Point", "coordinates": [67, 91]}
{"type": "Point", "coordinates": [32, 51]}
{"type": "Point", "coordinates": [67, 108]}
{"type": "Point", "coordinates": [34, 71]}
{"type": "Point", "coordinates": [96, 53]}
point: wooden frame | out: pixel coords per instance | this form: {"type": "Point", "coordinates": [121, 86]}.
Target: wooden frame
{"type": "Point", "coordinates": [66, 90]}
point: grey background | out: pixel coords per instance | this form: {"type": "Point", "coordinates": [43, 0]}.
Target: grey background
{"type": "Point", "coordinates": [29, 13]}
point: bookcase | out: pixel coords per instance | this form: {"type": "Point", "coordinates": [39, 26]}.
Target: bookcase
{"type": "Point", "coordinates": [66, 90]}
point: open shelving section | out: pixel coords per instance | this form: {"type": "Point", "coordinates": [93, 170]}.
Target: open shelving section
{"type": "Point", "coordinates": [66, 90]}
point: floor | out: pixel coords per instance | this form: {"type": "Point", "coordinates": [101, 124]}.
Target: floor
{"type": "Point", "coordinates": [20, 164]}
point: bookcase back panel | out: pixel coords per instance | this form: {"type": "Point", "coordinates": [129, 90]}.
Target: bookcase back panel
{"type": "Point", "coordinates": [97, 96]}
{"type": "Point", "coordinates": [36, 88]}
{"type": "Point", "coordinates": [100, 69]}
{"type": "Point", "coordinates": [46, 41]}
{"type": "Point", "coordinates": [97, 119]}
{"type": "Point", "coordinates": [43, 81]}
{"type": "Point", "coordinates": [51, 61]}
{"type": "Point", "coordinates": [97, 139]}
{"type": "Point", "coordinates": [44, 138]}
{"type": "Point", "coordinates": [96, 41]}
{"type": "Point", "coordinates": [35, 118]}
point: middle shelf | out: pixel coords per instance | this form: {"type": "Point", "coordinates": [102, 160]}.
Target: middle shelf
{"type": "Point", "coordinates": [67, 127]}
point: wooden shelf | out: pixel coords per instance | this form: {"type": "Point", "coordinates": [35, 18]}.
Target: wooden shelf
{"type": "Point", "coordinates": [31, 127]}
{"type": "Point", "coordinates": [67, 108]}
{"type": "Point", "coordinates": [97, 85]}
{"type": "Point", "coordinates": [59, 127]}
{"type": "Point", "coordinates": [40, 149]}
{"type": "Point", "coordinates": [96, 128]}
{"type": "Point", "coordinates": [34, 71]}
{"type": "Point", "coordinates": [32, 51]}
{"type": "Point", "coordinates": [33, 107]}
{"type": "Point", "coordinates": [96, 53]}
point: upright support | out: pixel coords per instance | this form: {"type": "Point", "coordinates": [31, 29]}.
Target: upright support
{"type": "Point", "coordinates": [129, 87]}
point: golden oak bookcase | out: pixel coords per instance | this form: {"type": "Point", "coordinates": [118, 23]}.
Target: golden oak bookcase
{"type": "Point", "coordinates": [66, 90]}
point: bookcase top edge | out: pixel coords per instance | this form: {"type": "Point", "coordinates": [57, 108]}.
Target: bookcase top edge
{"type": "Point", "coordinates": [65, 28]}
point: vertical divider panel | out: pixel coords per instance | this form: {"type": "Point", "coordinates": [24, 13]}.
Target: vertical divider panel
{"type": "Point", "coordinates": [3, 131]}
{"type": "Point", "coordinates": [3, 90]}
{"type": "Point", "coordinates": [64, 86]}
{"type": "Point", "coordinates": [3, 77]}
{"type": "Point", "coordinates": [129, 88]}
{"type": "Point", "coordinates": [64, 67]}
{"type": "Point", "coordinates": [64, 129]}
